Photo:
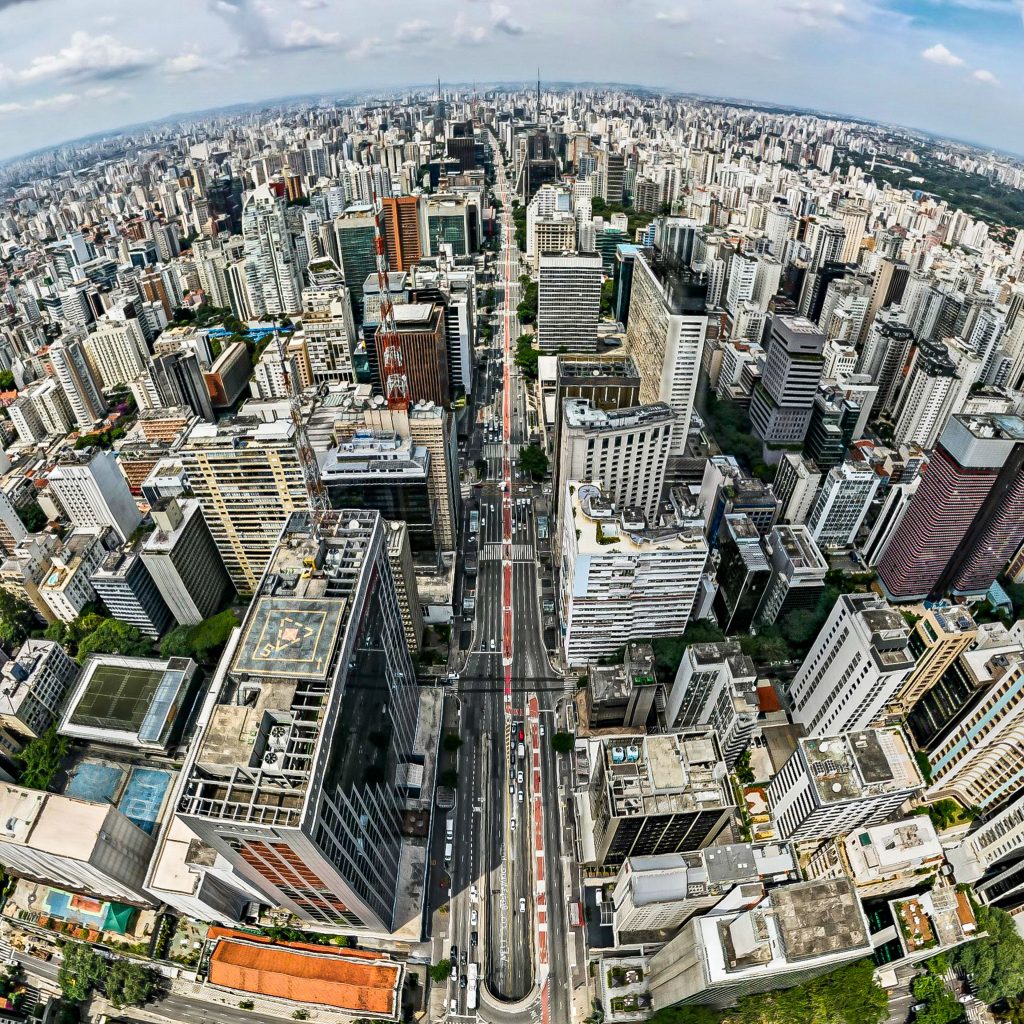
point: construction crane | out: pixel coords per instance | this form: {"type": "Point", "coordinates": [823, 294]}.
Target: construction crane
{"type": "Point", "coordinates": [392, 366]}
{"type": "Point", "coordinates": [316, 493]}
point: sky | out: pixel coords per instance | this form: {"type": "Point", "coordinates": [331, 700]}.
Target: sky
{"type": "Point", "coordinates": [69, 68]}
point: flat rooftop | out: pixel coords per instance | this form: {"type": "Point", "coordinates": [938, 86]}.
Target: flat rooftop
{"type": "Point", "coordinates": [873, 761]}
{"type": "Point", "coordinates": [819, 917]}
{"type": "Point", "coordinates": [664, 774]}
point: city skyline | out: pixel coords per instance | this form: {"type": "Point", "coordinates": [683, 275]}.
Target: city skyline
{"type": "Point", "coordinates": [946, 67]}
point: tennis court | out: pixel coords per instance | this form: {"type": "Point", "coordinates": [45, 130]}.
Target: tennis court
{"type": "Point", "coordinates": [117, 697]}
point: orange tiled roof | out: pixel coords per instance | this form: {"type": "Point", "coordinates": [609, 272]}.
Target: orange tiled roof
{"type": "Point", "coordinates": [344, 982]}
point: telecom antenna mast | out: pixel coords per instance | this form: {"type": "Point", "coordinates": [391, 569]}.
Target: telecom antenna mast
{"type": "Point", "coordinates": [396, 383]}
{"type": "Point", "coordinates": [316, 493]}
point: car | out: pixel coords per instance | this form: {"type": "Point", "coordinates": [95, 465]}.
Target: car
{"type": "Point", "coordinates": [474, 938]}
{"type": "Point", "coordinates": [464, 959]}
{"type": "Point", "coordinates": [512, 824]}
{"type": "Point", "coordinates": [521, 734]}
{"type": "Point", "coordinates": [520, 796]}
{"type": "Point", "coordinates": [463, 981]}
{"type": "Point", "coordinates": [519, 777]}
{"type": "Point", "coordinates": [492, 643]}
{"type": "Point", "coordinates": [453, 1006]}
{"type": "Point", "coordinates": [542, 730]}
{"type": "Point", "coordinates": [511, 790]}
{"type": "Point", "coordinates": [522, 904]}
{"type": "Point", "coordinates": [455, 971]}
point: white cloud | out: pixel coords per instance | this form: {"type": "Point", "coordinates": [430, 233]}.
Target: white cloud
{"type": "Point", "coordinates": [84, 57]}
{"type": "Point", "coordinates": [464, 32]}
{"type": "Point", "coordinates": [501, 19]}
{"type": "Point", "coordinates": [313, 5]}
{"type": "Point", "coordinates": [415, 31]}
{"type": "Point", "coordinates": [368, 46]}
{"type": "Point", "coordinates": [57, 102]}
{"type": "Point", "coordinates": [674, 16]}
{"type": "Point", "coordinates": [983, 75]}
{"type": "Point", "coordinates": [301, 36]}
{"type": "Point", "coordinates": [938, 54]}
{"type": "Point", "coordinates": [185, 64]}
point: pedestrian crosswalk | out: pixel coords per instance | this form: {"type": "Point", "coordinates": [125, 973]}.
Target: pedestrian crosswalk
{"type": "Point", "coordinates": [492, 552]}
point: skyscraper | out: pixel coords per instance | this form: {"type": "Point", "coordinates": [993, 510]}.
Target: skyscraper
{"type": "Point", "coordinates": [855, 666]}
{"type": "Point", "coordinates": [92, 491]}
{"type": "Point", "coordinates": [780, 411]}
{"type": "Point", "coordinates": [623, 450]}
{"type": "Point", "coordinates": [299, 777]}
{"type": "Point", "coordinates": [72, 369]}
{"type": "Point", "coordinates": [667, 326]}
{"type": "Point", "coordinates": [568, 301]}
{"type": "Point", "coordinates": [271, 264]}
{"type": "Point", "coordinates": [401, 230]}
{"type": "Point", "coordinates": [842, 504]}
{"type": "Point", "coordinates": [967, 517]}
{"type": "Point", "coordinates": [246, 475]}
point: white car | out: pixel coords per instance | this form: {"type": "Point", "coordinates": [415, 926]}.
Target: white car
{"type": "Point", "coordinates": [512, 824]}
{"type": "Point", "coordinates": [519, 794]}
{"type": "Point", "coordinates": [522, 904]}
{"type": "Point", "coordinates": [519, 777]}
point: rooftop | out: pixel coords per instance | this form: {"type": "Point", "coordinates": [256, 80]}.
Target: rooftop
{"type": "Point", "coordinates": [664, 774]}
{"type": "Point", "coordinates": [856, 764]}
{"type": "Point", "coordinates": [256, 756]}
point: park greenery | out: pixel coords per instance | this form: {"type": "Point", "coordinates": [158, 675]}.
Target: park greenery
{"type": "Point", "coordinates": [849, 995]}
{"type": "Point", "coordinates": [32, 516]}
{"type": "Point", "coordinates": [533, 460]}
{"type": "Point", "coordinates": [40, 759]}
{"type": "Point", "coordinates": [563, 742]}
{"type": "Point", "coordinates": [975, 194]}
{"type": "Point", "coordinates": [994, 962]}
{"type": "Point", "coordinates": [93, 633]}
{"type": "Point", "coordinates": [440, 971]}
{"type": "Point", "coordinates": [202, 642]}
{"type": "Point", "coordinates": [729, 423]}
{"type": "Point", "coordinates": [17, 620]}
{"type": "Point", "coordinates": [527, 308]}
{"type": "Point", "coordinates": [526, 356]}
{"type": "Point", "coordinates": [940, 1005]}
{"type": "Point", "coordinates": [635, 220]}
{"type": "Point", "coordinates": [124, 982]}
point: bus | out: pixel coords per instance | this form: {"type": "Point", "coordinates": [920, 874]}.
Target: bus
{"type": "Point", "coordinates": [471, 987]}
{"type": "Point", "coordinates": [474, 522]}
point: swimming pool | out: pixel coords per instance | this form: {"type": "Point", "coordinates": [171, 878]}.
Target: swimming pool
{"type": "Point", "coordinates": [144, 796]}
{"type": "Point", "coordinates": [95, 781]}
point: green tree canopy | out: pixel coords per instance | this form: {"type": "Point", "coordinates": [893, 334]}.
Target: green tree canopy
{"type": "Point", "coordinates": [533, 460]}
{"type": "Point", "coordinates": [17, 620]}
{"type": "Point", "coordinates": [112, 636]}
{"type": "Point", "coordinates": [995, 962]}
{"type": "Point", "coordinates": [129, 983]}
{"type": "Point", "coordinates": [440, 971]}
{"type": "Point", "coordinates": [203, 642]}
{"type": "Point", "coordinates": [563, 742]}
{"type": "Point", "coordinates": [81, 970]}
{"type": "Point", "coordinates": [6, 380]}
{"type": "Point", "coordinates": [40, 759]}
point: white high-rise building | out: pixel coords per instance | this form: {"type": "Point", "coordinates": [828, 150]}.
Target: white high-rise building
{"type": "Point", "coordinates": [92, 491]}
{"type": "Point", "coordinates": [667, 327]}
{"type": "Point", "coordinates": [857, 663]}
{"type": "Point", "coordinates": [621, 581]}
{"type": "Point", "coordinates": [271, 263]}
{"type": "Point", "coordinates": [623, 450]}
{"type": "Point", "coordinates": [568, 301]}
{"type": "Point", "coordinates": [72, 369]}
{"type": "Point", "coordinates": [834, 784]}
{"type": "Point", "coordinates": [117, 352]}
{"type": "Point", "coordinates": [842, 504]}
{"type": "Point", "coordinates": [742, 277]}
{"type": "Point", "coordinates": [928, 397]}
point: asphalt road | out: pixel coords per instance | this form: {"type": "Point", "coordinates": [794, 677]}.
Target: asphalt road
{"type": "Point", "coordinates": [493, 883]}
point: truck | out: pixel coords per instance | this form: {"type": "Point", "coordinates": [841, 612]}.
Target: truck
{"type": "Point", "coordinates": [471, 987]}
{"type": "Point", "coordinates": [449, 828]}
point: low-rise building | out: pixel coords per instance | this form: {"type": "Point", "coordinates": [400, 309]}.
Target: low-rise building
{"type": "Point", "coordinates": [68, 588]}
